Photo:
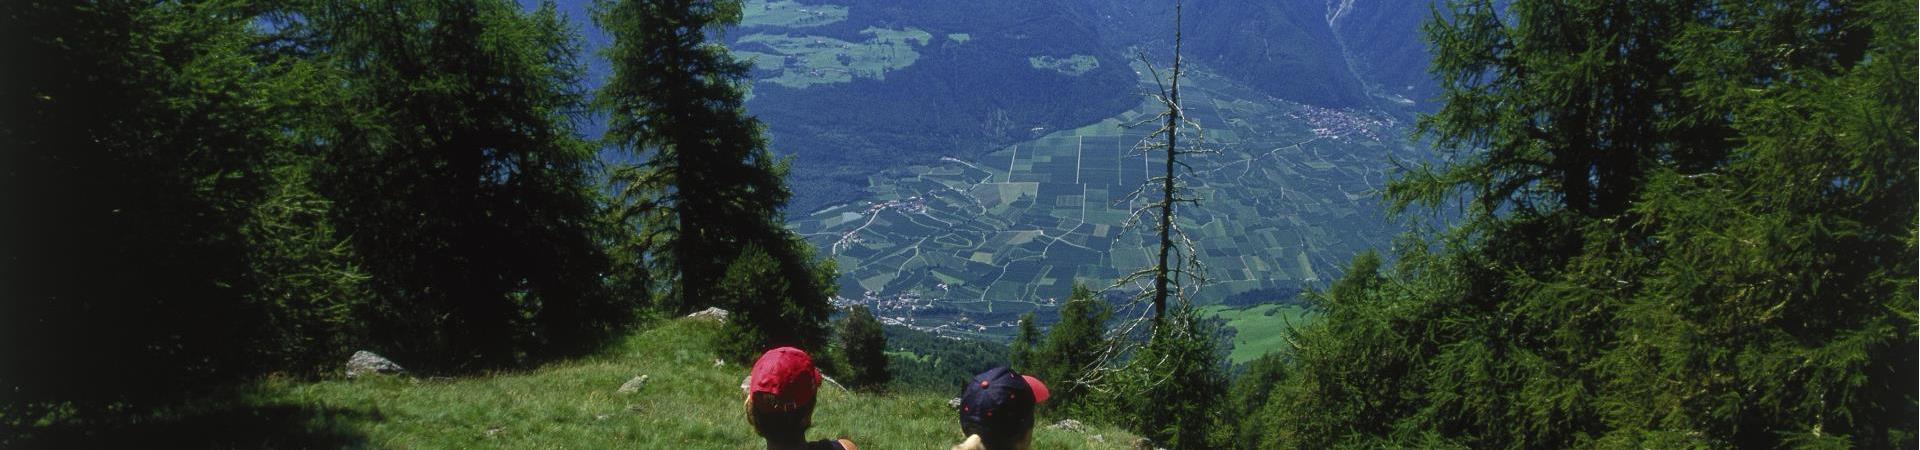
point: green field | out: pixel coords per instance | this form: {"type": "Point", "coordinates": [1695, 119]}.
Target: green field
{"type": "Point", "coordinates": [1070, 65]}
{"type": "Point", "coordinates": [1259, 329]}
{"type": "Point", "coordinates": [798, 60]}
{"type": "Point", "coordinates": [803, 60]}
{"type": "Point", "coordinates": [789, 13]}
{"type": "Point", "coordinates": [966, 245]}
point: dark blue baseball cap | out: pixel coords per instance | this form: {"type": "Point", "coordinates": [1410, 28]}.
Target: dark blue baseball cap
{"type": "Point", "coordinates": [1000, 401]}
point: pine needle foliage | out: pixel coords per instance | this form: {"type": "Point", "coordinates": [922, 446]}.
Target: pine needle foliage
{"type": "Point", "coordinates": [458, 176]}
{"type": "Point", "coordinates": [864, 344]}
{"type": "Point", "coordinates": [1690, 225]}
{"type": "Point", "coordinates": [698, 180]}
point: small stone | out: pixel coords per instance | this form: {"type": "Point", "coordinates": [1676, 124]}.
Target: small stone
{"type": "Point", "coordinates": [954, 403]}
{"type": "Point", "coordinates": [495, 431]}
{"type": "Point", "coordinates": [710, 314]}
{"type": "Point", "coordinates": [1068, 425]}
{"type": "Point", "coordinates": [1097, 438]}
{"type": "Point", "coordinates": [603, 417]}
{"type": "Point", "coordinates": [719, 362]}
{"type": "Point", "coordinates": [366, 363]}
{"type": "Point", "coordinates": [634, 385]}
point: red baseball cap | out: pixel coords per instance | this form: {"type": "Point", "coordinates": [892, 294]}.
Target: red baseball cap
{"type": "Point", "coordinates": [1040, 392]}
{"type": "Point", "coordinates": [787, 373]}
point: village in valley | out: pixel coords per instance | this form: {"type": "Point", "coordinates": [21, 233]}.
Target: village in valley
{"type": "Point", "coordinates": [965, 246]}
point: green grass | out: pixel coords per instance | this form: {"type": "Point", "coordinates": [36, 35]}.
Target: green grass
{"type": "Point", "coordinates": [688, 402]}
{"type": "Point", "coordinates": [1071, 65]}
{"type": "Point", "coordinates": [1259, 329]}
{"type": "Point", "coordinates": [788, 13]}
{"type": "Point", "coordinates": [805, 60]}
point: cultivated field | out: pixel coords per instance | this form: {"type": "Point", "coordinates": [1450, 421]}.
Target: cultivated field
{"type": "Point", "coordinates": [965, 246]}
{"type": "Point", "coordinates": [798, 60]}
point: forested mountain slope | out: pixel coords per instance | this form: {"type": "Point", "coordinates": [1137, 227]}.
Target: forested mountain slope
{"type": "Point", "coordinates": [853, 87]}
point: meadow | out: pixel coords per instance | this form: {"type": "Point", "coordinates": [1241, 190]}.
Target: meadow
{"type": "Point", "coordinates": [1260, 328]}
{"type": "Point", "coordinates": [689, 401]}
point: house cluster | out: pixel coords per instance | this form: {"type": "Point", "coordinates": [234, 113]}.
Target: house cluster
{"type": "Point", "coordinates": [1342, 124]}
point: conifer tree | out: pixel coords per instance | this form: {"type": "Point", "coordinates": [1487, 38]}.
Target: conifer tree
{"type": "Point", "coordinates": [1071, 347]}
{"type": "Point", "coordinates": [764, 313]}
{"type": "Point", "coordinates": [458, 174]}
{"type": "Point", "coordinates": [865, 345]}
{"type": "Point", "coordinates": [701, 185]}
{"type": "Point", "coordinates": [1021, 351]}
{"type": "Point", "coordinates": [143, 155]}
{"type": "Point", "coordinates": [1175, 395]}
{"type": "Point", "coordinates": [1692, 227]}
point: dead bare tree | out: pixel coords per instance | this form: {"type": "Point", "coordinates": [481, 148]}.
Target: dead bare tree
{"type": "Point", "coordinates": [1178, 272]}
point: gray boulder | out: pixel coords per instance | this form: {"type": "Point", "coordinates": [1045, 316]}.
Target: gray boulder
{"type": "Point", "coordinates": [1068, 425]}
{"type": "Point", "coordinates": [366, 363]}
{"type": "Point", "coordinates": [633, 385]}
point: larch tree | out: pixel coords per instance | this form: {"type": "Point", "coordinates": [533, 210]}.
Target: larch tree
{"type": "Point", "coordinates": [699, 182]}
{"type": "Point", "coordinates": [864, 343]}
{"type": "Point", "coordinates": [1025, 342]}
{"type": "Point", "coordinates": [1691, 225]}
{"type": "Point", "coordinates": [457, 171]}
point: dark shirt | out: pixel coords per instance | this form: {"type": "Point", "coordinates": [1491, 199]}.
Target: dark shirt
{"type": "Point", "coordinates": [830, 444]}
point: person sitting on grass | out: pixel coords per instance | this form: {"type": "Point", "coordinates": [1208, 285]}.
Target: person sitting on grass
{"type": "Point", "coordinates": [780, 394]}
{"type": "Point", "coordinates": [996, 410]}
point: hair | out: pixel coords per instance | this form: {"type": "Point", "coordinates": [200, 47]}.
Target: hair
{"type": "Point", "coordinates": [972, 443]}
{"type": "Point", "coordinates": [1002, 437]}
{"type": "Point", "coordinates": [982, 438]}
{"type": "Point", "coordinates": [777, 420]}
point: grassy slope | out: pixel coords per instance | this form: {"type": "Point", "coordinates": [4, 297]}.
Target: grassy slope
{"type": "Point", "coordinates": [688, 402]}
{"type": "Point", "coordinates": [1259, 329]}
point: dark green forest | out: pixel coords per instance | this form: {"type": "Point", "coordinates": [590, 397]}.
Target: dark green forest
{"type": "Point", "coordinates": [1686, 225]}
{"type": "Point", "coordinates": [1647, 223]}
{"type": "Point", "coordinates": [203, 193]}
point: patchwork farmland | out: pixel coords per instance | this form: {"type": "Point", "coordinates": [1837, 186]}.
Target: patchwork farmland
{"type": "Point", "coordinates": [965, 246]}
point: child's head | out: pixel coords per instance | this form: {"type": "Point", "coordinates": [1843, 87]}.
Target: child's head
{"type": "Point", "coordinates": [998, 407]}
{"type": "Point", "coordinates": [780, 393]}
